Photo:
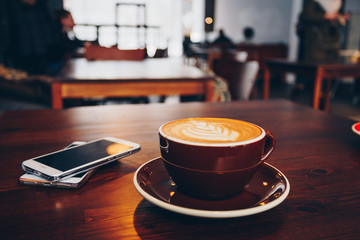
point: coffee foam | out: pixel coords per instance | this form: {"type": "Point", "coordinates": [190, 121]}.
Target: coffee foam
{"type": "Point", "coordinates": [211, 130]}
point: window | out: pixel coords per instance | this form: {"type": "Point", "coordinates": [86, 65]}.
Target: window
{"type": "Point", "coordinates": [162, 16]}
{"type": "Point", "coordinates": [169, 19]}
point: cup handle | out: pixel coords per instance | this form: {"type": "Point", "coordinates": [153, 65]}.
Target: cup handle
{"type": "Point", "coordinates": [164, 145]}
{"type": "Point", "coordinates": [270, 143]}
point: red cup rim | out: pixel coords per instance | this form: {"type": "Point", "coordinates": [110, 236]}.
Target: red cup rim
{"type": "Point", "coordinates": [356, 128]}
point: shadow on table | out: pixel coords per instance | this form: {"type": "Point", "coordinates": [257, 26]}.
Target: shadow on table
{"type": "Point", "coordinates": [152, 222]}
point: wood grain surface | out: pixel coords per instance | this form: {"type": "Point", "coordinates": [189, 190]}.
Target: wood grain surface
{"type": "Point", "coordinates": [317, 151]}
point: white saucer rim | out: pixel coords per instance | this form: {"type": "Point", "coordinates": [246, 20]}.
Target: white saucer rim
{"type": "Point", "coordinates": [211, 213]}
{"type": "Point", "coordinates": [353, 128]}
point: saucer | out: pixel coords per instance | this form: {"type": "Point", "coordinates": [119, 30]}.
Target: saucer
{"type": "Point", "coordinates": [356, 128]}
{"type": "Point", "coordinates": [267, 189]}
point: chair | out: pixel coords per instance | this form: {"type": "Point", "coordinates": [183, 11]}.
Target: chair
{"type": "Point", "coordinates": [241, 76]}
{"type": "Point", "coordinates": [247, 73]}
{"type": "Point", "coordinates": [95, 52]}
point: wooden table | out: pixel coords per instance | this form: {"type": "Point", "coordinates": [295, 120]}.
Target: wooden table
{"type": "Point", "coordinates": [110, 78]}
{"type": "Point", "coordinates": [317, 151]}
{"type": "Point", "coordinates": [317, 71]}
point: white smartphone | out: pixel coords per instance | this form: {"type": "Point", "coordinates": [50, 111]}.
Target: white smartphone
{"type": "Point", "coordinates": [76, 181]}
{"type": "Point", "coordinates": [66, 163]}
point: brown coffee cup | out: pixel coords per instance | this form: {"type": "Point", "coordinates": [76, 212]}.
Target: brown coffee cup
{"type": "Point", "coordinates": [213, 158]}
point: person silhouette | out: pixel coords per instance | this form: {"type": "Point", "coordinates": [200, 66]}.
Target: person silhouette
{"type": "Point", "coordinates": [223, 41]}
{"type": "Point", "coordinates": [66, 44]}
{"type": "Point", "coordinates": [249, 34]}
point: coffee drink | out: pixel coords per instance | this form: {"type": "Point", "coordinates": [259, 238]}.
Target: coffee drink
{"type": "Point", "coordinates": [211, 130]}
{"type": "Point", "coordinates": [213, 157]}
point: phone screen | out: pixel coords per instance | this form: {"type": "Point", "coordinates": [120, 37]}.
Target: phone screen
{"type": "Point", "coordinates": [74, 157]}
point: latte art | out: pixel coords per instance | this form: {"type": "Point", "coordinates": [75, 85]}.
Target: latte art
{"type": "Point", "coordinates": [211, 130]}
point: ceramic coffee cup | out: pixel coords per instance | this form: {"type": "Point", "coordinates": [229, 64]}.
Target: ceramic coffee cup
{"type": "Point", "coordinates": [213, 158]}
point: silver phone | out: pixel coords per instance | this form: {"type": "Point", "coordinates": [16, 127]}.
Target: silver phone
{"type": "Point", "coordinates": [76, 181]}
{"type": "Point", "coordinates": [66, 163]}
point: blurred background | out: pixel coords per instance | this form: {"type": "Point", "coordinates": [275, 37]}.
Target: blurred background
{"type": "Point", "coordinates": [309, 30]}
